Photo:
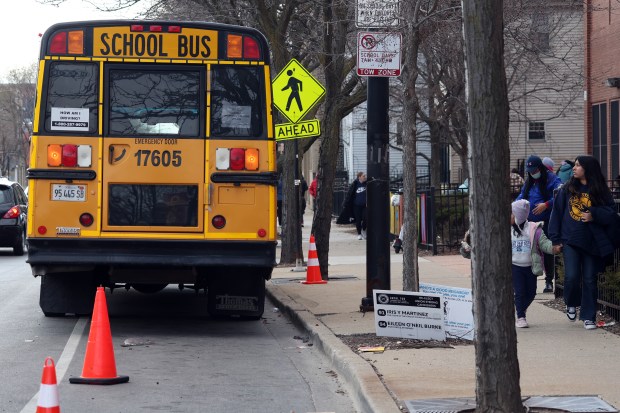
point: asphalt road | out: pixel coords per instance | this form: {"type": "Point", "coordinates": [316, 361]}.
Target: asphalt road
{"type": "Point", "coordinates": [181, 361]}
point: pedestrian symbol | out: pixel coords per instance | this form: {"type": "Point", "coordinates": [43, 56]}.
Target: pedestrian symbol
{"type": "Point", "coordinates": [296, 91]}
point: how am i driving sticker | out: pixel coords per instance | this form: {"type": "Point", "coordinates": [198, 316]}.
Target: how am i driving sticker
{"type": "Point", "coordinates": [70, 119]}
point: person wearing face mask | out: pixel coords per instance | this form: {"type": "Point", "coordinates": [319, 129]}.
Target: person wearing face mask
{"type": "Point", "coordinates": [538, 190]}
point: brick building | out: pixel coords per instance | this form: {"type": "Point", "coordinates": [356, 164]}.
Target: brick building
{"type": "Point", "coordinates": [602, 83]}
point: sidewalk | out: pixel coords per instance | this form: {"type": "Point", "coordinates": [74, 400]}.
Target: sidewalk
{"type": "Point", "coordinates": [556, 357]}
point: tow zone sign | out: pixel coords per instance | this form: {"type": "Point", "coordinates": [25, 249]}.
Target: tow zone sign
{"type": "Point", "coordinates": [378, 54]}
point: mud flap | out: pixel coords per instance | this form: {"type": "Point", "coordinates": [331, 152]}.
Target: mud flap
{"type": "Point", "coordinates": [239, 295]}
{"type": "Point", "coordinates": [63, 293]}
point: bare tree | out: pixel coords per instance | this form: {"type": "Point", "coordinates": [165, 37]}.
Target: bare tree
{"type": "Point", "coordinates": [497, 365]}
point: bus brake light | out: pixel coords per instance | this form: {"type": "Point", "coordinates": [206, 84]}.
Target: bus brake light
{"type": "Point", "coordinates": [69, 155]}
{"type": "Point", "coordinates": [251, 159]}
{"type": "Point", "coordinates": [237, 159]}
{"type": "Point", "coordinates": [58, 44]}
{"type": "Point", "coordinates": [234, 46]}
{"type": "Point", "coordinates": [250, 48]}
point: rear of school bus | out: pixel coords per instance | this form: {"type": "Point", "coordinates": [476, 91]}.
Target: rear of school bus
{"type": "Point", "coordinates": [152, 163]}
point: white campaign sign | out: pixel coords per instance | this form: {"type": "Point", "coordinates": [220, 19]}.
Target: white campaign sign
{"type": "Point", "coordinates": [457, 308]}
{"type": "Point", "coordinates": [378, 54]}
{"type": "Point", "coordinates": [407, 314]}
{"type": "Point", "coordinates": [377, 14]}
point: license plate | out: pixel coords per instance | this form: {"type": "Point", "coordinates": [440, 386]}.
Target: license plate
{"type": "Point", "coordinates": [75, 193]}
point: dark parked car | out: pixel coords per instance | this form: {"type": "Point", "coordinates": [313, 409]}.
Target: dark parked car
{"type": "Point", "coordinates": [13, 213]}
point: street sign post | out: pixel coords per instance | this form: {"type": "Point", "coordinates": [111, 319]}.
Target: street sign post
{"type": "Point", "coordinates": [378, 54]}
{"type": "Point", "coordinates": [295, 91]}
{"type": "Point", "coordinates": [377, 14]}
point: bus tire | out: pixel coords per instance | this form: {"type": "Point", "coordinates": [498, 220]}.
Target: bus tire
{"type": "Point", "coordinates": [67, 293]}
{"type": "Point", "coordinates": [246, 289]}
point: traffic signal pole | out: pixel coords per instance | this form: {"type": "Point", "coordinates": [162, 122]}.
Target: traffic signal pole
{"type": "Point", "coordinates": [377, 196]}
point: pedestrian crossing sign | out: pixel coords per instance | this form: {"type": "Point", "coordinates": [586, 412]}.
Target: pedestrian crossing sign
{"type": "Point", "coordinates": [295, 91]}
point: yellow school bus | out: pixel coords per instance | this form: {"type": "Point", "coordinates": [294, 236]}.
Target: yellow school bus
{"type": "Point", "coordinates": [153, 163]}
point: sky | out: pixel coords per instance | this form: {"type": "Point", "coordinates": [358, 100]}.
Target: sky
{"type": "Point", "coordinates": [23, 21]}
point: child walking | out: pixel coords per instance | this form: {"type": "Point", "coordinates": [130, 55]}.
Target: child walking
{"type": "Point", "coordinates": [528, 245]}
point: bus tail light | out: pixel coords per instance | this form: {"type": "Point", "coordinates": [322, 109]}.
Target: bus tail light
{"type": "Point", "coordinates": [12, 213]}
{"type": "Point", "coordinates": [234, 46]}
{"type": "Point", "coordinates": [250, 48]}
{"type": "Point", "coordinates": [71, 42]}
{"type": "Point", "coordinates": [58, 44]}
{"type": "Point", "coordinates": [42, 230]}
{"type": "Point", "coordinates": [86, 219]}
{"type": "Point", "coordinates": [69, 155]}
{"type": "Point", "coordinates": [251, 159]}
{"type": "Point", "coordinates": [237, 159]}
{"type": "Point", "coordinates": [218, 221]}
{"type": "Point", "coordinates": [262, 233]}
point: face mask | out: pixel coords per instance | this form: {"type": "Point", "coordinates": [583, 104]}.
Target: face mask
{"type": "Point", "coordinates": [536, 175]}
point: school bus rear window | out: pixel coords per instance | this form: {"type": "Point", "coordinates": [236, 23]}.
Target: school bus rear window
{"type": "Point", "coordinates": [236, 101]}
{"type": "Point", "coordinates": [71, 98]}
{"type": "Point", "coordinates": [154, 102]}
{"type": "Point", "coordinates": [153, 205]}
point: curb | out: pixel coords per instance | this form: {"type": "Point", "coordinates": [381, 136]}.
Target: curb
{"type": "Point", "coordinates": [368, 392]}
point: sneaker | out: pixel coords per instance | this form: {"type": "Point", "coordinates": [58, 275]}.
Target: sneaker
{"type": "Point", "coordinates": [364, 233]}
{"type": "Point", "coordinates": [571, 313]}
{"type": "Point", "coordinates": [589, 325]}
{"type": "Point", "coordinates": [548, 288]}
{"type": "Point", "coordinates": [359, 236]}
{"type": "Point", "coordinates": [522, 323]}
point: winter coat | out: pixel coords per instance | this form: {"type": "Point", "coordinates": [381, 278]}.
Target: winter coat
{"type": "Point", "coordinates": [535, 197]}
{"type": "Point", "coordinates": [346, 216]}
{"type": "Point", "coordinates": [566, 227]}
{"type": "Point", "coordinates": [565, 172]}
{"type": "Point", "coordinates": [313, 187]}
{"type": "Point", "coordinates": [540, 244]}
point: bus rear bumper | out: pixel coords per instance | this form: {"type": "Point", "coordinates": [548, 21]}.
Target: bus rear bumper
{"type": "Point", "coordinates": [45, 255]}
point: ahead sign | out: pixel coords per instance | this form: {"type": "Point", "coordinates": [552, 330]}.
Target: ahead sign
{"type": "Point", "coordinates": [378, 54]}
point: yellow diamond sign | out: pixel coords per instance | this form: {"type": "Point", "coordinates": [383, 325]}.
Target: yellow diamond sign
{"type": "Point", "coordinates": [296, 91]}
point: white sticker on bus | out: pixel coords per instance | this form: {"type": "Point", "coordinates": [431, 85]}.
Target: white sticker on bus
{"type": "Point", "coordinates": [70, 119]}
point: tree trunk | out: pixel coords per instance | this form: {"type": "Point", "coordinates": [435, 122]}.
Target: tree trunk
{"type": "Point", "coordinates": [328, 153]}
{"type": "Point", "coordinates": [497, 366]}
{"type": "Point", "coordinates": [291, 249]}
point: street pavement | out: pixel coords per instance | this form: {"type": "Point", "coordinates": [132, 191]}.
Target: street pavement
{"type": "Point", "coordinates": [556, 357]}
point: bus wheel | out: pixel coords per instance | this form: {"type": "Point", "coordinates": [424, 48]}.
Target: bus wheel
{"type": "Point", "coordinates": [237, 294]}
{"type": "Point", "coordinates": [67, 293]}
{"type": "Point", "coordinates": [149, 288]}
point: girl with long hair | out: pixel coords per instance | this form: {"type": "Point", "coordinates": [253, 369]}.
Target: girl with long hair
{"type": "Point", "coordinates": [583, 208]}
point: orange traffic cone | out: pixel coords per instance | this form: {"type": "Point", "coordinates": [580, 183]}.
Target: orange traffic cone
{"type": "Point", "coordinates": [313, 273]}
{"type": "Point", "coordinates": [48, 392]}
{"type": "Point", "coordinates": [99, 365]}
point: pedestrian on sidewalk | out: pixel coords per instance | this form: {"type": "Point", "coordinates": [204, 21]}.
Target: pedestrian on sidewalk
{"type": "Point", "coordinates": [583, 209]}
{"type": "Point", "coordinates": [528, 245]}
{"type": "Point", "coordinates": [538, 189]}
{"type": "Point", "coordinates": [355, 206]}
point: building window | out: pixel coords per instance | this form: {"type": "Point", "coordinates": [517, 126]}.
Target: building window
{"type": "Point", "coordinates": [540, 32]}
{"type": "Point", "coordinates": [536, 130]}
{"type": "Point", "coordinates": [599, 135]}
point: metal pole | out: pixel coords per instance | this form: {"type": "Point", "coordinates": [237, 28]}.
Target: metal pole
{"type": "Point", "coordinates": [377, 197]}
{"type": "Point", "coordinates": [299, 258]}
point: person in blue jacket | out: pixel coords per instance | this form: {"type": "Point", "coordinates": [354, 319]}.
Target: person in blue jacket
{"type": "Point", "coordinates": [538, 190]}
{"type": "Point", "coordinates": [583, 210]}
